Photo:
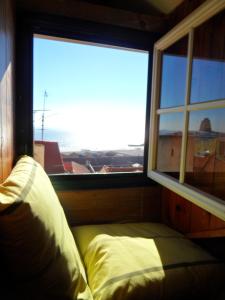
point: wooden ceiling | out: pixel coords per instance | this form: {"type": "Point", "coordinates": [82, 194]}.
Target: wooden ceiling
{"type": "Point", "coordinates": [145, 15]}
{"type": "Point", "coordinates": [151, 7]}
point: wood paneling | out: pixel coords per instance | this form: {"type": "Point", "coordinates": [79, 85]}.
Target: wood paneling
{"type": "Point", "coordinates": [93, 12]}
{"type": "Point", "coordinates": [6, 86]}
{"type": "Point", "coordinates": [176, 211]}
{"type": "Point", "coordinates": [188, 218]}
{"type": "Point", "coordinates": [200, 219]}
{"type": "Point", "coordinates": [216, 223]}
{"type": "Point", "coordinates": [182, 11]}
{"type": "Point", "coordinates": [206, 234]}
{"type": "Point", "coordinates": [111, 205]}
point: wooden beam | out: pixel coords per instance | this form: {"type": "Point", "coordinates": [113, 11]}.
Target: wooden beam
{"type": "Point", "coordinates": [93, 12]}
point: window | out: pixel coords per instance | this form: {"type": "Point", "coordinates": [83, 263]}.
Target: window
{"type": "Point", "coordinates": [188, 108]}
{"type": "Point", "coordinates": [89, 107]}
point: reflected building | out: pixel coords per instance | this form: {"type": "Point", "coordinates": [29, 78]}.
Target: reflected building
{"type": "Point", "coordinates": [205, 159]}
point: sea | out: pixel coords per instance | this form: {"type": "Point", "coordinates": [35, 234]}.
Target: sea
{"type": "Point", "coordinates": [68, 142]}
{"type": "Point", "coordinates": [65, 139]}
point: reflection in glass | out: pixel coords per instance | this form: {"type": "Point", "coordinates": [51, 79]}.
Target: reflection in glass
{"type": "Point", "coordinates": [174, 66]}
{"type": "Point", "coordinates": [169, 143]}
{"type": "Point", "coordinates": [207, 80]}
{"type": "Point", "coordinates": [208, 69]}
{"type": "Point", "coordinates": [205, 167]}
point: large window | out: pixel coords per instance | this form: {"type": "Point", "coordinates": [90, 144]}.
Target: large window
{"type": "Point", "coordinates": [89, 107]}
{"type": "Point", "coordinates": [188, 109]}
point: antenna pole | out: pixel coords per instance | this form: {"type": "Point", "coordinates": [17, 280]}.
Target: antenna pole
{"type": "Point", "coordinates": [43, 116]}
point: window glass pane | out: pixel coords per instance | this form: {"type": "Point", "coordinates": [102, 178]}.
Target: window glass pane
{"type": "Point", "coordinates": [208, 70]}
{"type": "Point", "coordinates": [205, 167]}
{"type": "Point", "coordinates": [89, 107]}
{"type": "Point", "coordinates": [169, 143]}
{"type": "Point", "coordinates": [173, 80]}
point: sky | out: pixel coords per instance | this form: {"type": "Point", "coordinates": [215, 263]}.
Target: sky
{"type": "Point", "coordinates": [96, 95]}
{"type": "Point", "coordinates": [208, 83]}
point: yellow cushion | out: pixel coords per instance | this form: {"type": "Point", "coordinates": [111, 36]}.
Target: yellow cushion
{"type": "Point", "coordinates": [146, 261]}
{"type": "Point", "coordinates": [38, 251]}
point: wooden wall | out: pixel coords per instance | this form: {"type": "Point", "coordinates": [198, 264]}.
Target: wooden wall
{"type": "Point", "coordinates": [188, 218]}
{"type": "Point", "coordinates": [112, 205]}
{"type": "Point", "coordinates": [182, 11]}
{"type": "Point", "coordinates": [6, 86]}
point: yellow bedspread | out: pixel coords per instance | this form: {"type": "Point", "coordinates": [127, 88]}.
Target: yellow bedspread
{"type": "Point", "coordinates": [146, 261]}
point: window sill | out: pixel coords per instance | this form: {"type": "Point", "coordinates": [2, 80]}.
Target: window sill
{"type": "Point", "coordinates": [206, 201]}
{"type": "Point", "coordinates": [100, 181]}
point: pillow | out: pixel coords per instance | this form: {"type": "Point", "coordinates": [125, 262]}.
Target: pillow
{"type": "Point", "coordinates": [146, 261]}
{"type": "Point", "coordinates": [39, 257]}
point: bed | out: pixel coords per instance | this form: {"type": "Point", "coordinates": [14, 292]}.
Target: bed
{"type": "Point", "coordinates": [42, 260]}
{"type": "Point", "coordinates": [146, 261]}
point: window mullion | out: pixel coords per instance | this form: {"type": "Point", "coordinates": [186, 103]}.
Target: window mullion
{"type": "Point", "coordinates": [207, 105]}
{"type": "Point", "coordinates": [170, 110]}
{"type": "Point", "coordinates": [156, 81]}
{"type": "Point", "coordinates": [186, 113]}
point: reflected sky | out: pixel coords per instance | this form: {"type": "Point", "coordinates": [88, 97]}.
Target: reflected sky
{"type": "Point", "coordinates": [208, 80]}
{"type": "Point", "coordinates": [173, 81]}
{"type": "Point", "coordinates": [174, 121]}
{"type": "Point", "coordinates": [171, 122]}
{"type": "Point", "coordinates": [216, 117]}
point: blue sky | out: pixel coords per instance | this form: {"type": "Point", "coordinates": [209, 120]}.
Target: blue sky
{"type": "Point", "coordinates": [173, 81]}
{"type": "Point", "coordinates": [98, 94]}
{"type": "Point", "coordinates": [208, 80]}
{"type": "Point", "coordinates": [174, 121]}
{"type": "Point", "coordinates": [208, 83]}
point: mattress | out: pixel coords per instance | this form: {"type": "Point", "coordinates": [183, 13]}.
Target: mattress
{"type": "Point", "coordinates": [146, 261]}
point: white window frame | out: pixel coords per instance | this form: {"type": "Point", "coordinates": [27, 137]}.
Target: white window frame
{"type": "Point", "coordinates": [208, 202]}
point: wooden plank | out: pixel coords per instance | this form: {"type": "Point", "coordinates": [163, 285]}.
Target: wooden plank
{"type": "Point", "coordinates": [176, 211]}
{"type": "Point", "coordinates": [6, 87]}
{"type": "Point", "coordinates": [2, 75]}
{"type": "Point", "coordinates": [206, 234]}
{"type": "Point", "coordinates": [8, 102]}
{"type": "Point", "coordinates": [182, 11]}
{"type": "Point", "coordinates": [111, 205]}
{"type": "Point", "coordinates": [208, 9]}
{"type": "Point", "coordinates": [200, 219]}
{"type": "Point", "coordinates": [216, 223]}
{"type": "Point", "coordinates": [188, 218]}
{"type": "Point", "coordinates": [151, 205]}
{"type": "Point", "coordinates": [97, 13]}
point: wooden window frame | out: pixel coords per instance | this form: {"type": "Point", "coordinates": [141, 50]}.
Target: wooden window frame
{"type": "Point", "coordinates": [206, 201]}
{"type": "Point", "coordinates": [29, 24]}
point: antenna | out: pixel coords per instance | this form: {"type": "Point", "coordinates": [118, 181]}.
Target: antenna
{"type": "Point", "coordinates": [43, 116]}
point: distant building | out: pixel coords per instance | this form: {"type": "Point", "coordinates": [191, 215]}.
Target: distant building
{"type": "Point", "coordinates": [205, 125]}
{"type": "Point", "coordinates": [205, 159]}
{"type": "Point", "coordinates": [112, 169]}
{"type": "Point", "coordinates": [75, 168]}
{"type": "Point", "coordinates": [48, 155]}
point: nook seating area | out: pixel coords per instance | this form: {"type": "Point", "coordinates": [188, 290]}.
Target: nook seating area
{"type": "Point", "coordinates": [43, 258]}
